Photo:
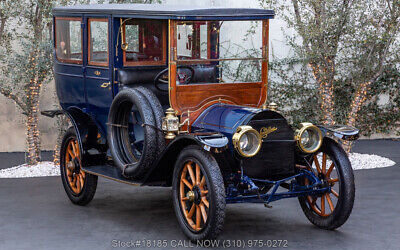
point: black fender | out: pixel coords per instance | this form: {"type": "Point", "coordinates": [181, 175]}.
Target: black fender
{"type": "Point", "coordinates": [342, 132]}
{"type": "Point", "coordinates": [161, 173]}
{"type": "Point", "coordinates": [92, 146]}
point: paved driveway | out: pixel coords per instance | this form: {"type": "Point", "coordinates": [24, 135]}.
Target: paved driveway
{"type": "Point", "coordinates": [36, 214]}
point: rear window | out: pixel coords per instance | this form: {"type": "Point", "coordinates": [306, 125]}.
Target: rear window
{"type": "Point", "coordinates": [68, 40]}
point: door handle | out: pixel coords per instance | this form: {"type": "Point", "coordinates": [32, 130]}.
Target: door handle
{"type": "Point", "coordinates": [105, 84]}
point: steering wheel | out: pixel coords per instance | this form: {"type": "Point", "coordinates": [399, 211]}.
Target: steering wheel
{"type": "Point", "coordinates": [185, 75]}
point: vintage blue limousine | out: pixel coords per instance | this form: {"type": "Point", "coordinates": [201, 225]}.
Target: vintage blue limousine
{"type": "Point", "coordinates": [177, 97]}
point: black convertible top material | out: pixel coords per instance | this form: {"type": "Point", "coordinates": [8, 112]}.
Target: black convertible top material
{"type": "Point", "coordinates": [160, 11]}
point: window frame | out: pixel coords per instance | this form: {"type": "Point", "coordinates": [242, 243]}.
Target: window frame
{"type": "Point", "coordinates": [72, 61]}
{"type": "Point", "coordinates": [148, 63]}
{"type": "Point", "coordinates": [94, 63]}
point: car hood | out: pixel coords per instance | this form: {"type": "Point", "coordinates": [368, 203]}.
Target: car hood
{"type": "Point", "coordinates": [223, 118]}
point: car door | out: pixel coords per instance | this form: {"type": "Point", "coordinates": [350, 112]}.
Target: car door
{"type": "Point", "coordinates": [98, 77]}
{"type": "Point", "coordinates": [68, 67]}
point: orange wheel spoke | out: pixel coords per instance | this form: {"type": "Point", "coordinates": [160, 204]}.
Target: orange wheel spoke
{"type": "Point", "coordinates": [328, 198]}
{"type": "Point", "coordinates": [182, 194]}
{"type": "Point", "coordinates": [198, 173]}
{"type": "Point", "coordinates": [314, 200]}
{"type": "Point", "coordinates": [317, 164]}
{"type": "Point", "coordinates": [83, 173]}
{"type": "Point", "coordinates": [203, 193]}
{"type": "Point", "coordinates": [333, 180]}
{"type": "Point", "coordinates": [186, 182]}
{"type": "Point", "coordinates": [73, 147]}
{"type": "Point", "coordinates": [205, 201]}
{"type": "Point", "coordinates": [184, 198]}
{"type": "Point", "coordinates": [69, 173]}
{"type": "Point", "coordinates": [330, 170]}
{"type": "Point", "coordinates": [70, 152]}
{"type": "Point", "coordinates": [78, 184]}
{"type": "Point", "coordinates": [198, 217]}
{"type": "Point", "coordinates": [335, 193]}
{"type": "Point", "coordinates": [81, 180]}
{"type": "Point", "coordinates": [190, 169]}
{"type": "Point", "coordinates": [323, 204]}
{"type": "Point", "coordinates": [191, 212]}
{"type": "Point", "coordinates": [77, 148]}
{"type": "Point", "coordinates": [202, 182]}
{"type": "Point", "coordinates": [323, 163]}
{"type": "Point", "coordinates": [203, 212]}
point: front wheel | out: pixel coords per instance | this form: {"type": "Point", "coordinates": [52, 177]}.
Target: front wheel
{"type": "Point", "coordinates": [198, 194]}
{"type": "Point", "coordinates": [332, 166]}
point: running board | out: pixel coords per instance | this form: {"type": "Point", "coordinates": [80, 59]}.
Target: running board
{"type": "Point", "coordinates": [110, 172]}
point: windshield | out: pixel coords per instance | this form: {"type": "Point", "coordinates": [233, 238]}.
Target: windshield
{"type": "Point", "coordinates": [219, 51]}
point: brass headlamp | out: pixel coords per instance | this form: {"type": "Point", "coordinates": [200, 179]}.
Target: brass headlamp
{"type": "Point", "coordinates": [308, 137]}
{"type": "Point", "coordinates": [247, 141]}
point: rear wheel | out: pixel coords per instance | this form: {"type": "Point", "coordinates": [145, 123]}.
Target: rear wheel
{"type": "Point", "coordinates": [332, 166]}
{"type": "Point", "coordinates": [79, 186]}
{"type": "Point", "coordinates": [198, 194]}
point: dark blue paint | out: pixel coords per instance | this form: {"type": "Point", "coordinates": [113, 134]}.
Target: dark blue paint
{"type": "Point", "coordinates": [234, 194]}
{"type": "Point", "coordinates": [224, 119]}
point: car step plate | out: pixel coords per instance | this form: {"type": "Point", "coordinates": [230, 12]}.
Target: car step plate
{"type": "Point", "coordinates": [110, 172]}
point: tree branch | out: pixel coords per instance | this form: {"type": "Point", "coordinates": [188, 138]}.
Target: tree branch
{"type": "Point", "coordinates": [7, 93]}
{"type": "Point", "coordinates": [300, 24]}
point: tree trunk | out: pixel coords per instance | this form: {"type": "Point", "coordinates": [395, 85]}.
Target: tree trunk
{"type": "Point", "coordinates": [326, 95]}
{"type": "Point", "coordinates": [358, 100]}
{"type": "Point", "coordinates": [33, 139]}
{"type": "Point", "coordinates": [33, 142]}
{"type": "Point", "coordinates": [325, 90]}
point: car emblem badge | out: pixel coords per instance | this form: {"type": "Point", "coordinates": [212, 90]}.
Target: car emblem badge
{"type": "Point", "coordinates": [264, 132]}
{"type": "Point", "coordinates": [97, 73]}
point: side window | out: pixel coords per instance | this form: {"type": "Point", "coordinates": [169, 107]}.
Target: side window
{"type": "Point", "coordinates": [68, 40]}
{"type": "Point", "coordinates": [192, 41]}
{"type": "Point", "coordinates": [145, 41]}
{"type": "Point", "coordinates": [98, 42]}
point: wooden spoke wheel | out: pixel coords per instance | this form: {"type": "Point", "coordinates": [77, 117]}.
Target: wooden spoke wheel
{"type": "Point", "coordinates": [75, 175]}
{"type": "Point", "coordinates": [193, 195]}
{"type": "Point", "coordinates": [332, 166]}
{"type": "Point", "coordinates": [198, 194]}
{"type": "Point", "coordinates": [79, 186]}
{"type": "Point", "coordinates": [324, 168]}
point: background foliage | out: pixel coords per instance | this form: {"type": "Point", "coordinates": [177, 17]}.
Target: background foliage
{"type": "Point", "coordinates": [344, 67]}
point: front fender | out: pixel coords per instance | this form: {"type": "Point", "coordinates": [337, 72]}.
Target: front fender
{"type": "Point", "coordinates": [343, 132]}
{"type": "Point", "coordinates": [161, 173]}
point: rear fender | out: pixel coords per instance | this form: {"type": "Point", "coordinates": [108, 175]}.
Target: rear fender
{"type": "Point", "coordinates": [90, 144]}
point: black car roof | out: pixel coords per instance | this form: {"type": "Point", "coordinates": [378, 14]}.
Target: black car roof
{"type": "Point", "coordinates": [160, 11]}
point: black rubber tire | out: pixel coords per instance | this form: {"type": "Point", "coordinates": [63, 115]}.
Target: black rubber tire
{"type": "Point", "coordinates": [345, 201]}
{"type": "Point", "coordinates": [90, 184]}
{"type": "Point", "coordinates": [216, 190]}
{"type": "Point", "coordinates": [118, 139]}
{"type": "Point", "coordinates": [158, 115]}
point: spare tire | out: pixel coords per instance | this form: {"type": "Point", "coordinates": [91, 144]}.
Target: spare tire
{"type": "Point", "coordinates": [132, 133]}
{"type": "Point", "coordinates": [158, 115]}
